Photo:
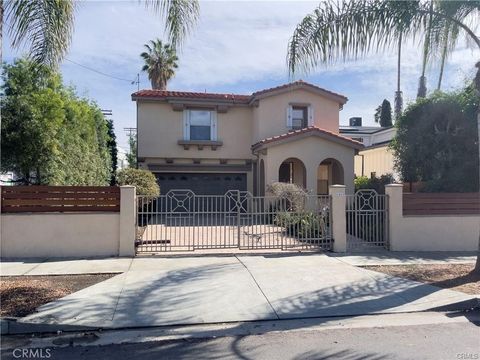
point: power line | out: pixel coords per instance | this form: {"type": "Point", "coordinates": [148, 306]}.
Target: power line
{"type": "Point", "coordinates": [98, 72]}
{"type": "Point", "coordinates": [135, 81]}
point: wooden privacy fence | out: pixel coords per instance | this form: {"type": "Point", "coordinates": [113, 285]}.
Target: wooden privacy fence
{"type": "Point", "coordinates": [441, 203]}
{"type": "Point", "coordinates": [18, 199]}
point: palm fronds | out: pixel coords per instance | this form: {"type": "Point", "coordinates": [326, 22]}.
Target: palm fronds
{"type": "Point", "coordinates": [45, 25]}
{"type": "Point", "coordinates": [160, 63]}
{"type": "Point", "coordinates": [179, 16]}
{"type": "Point", "coordinates": [349, 29]}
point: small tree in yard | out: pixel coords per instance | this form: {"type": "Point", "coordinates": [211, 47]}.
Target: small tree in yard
{"type": "Point", "coordinates": [144, 181]}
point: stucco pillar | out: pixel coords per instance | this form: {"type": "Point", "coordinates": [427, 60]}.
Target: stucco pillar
{"type": "Point", "coordinates": [395, 214]}
{"type": "Point", "coordinates": [311, 182]}
{"type": "Point", "coordinates": [338, 217]}
{"type": "Point", "coordinates": [127, 221]}
{"type": "Point", "coordinates": [1, 216]}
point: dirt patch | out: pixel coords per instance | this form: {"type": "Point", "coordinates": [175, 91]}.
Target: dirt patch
{"type": "Point", "coordinates": [448, 276]}
{"type": "Point", "coordinates": [21, 295]}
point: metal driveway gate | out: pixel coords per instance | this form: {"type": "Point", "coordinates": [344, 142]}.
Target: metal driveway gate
{"type": "Point", "coordinates": [180, 220]}
{"type": "Point", "coordinates": [367, 220]}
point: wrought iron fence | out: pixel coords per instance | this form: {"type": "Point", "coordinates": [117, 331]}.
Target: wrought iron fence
{"type": "Point", "coordinates": [367, 220]}
{"type": "Point", "coordinates": [183, 221]}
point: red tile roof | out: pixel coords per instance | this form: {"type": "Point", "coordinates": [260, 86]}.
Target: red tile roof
{"type": "Point", "coordinates": [235, 98]}
{"type": "Point", "coordinates": [313, 130]}
{"type": "Point", "coordinates": [298, 83]}
{"type": "Point", "coordinates": [165, 94]}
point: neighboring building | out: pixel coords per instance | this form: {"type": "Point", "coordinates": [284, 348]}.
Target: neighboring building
{"type": "Point", "coordinates": [7, 179]}
{"type": "Point", "coordinates": [376, 158]}
{"type": "Point", "coordinates": [212, 143]}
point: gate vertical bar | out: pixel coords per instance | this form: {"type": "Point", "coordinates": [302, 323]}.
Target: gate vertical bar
{"type": "Point", "coordinates": [238, 218]}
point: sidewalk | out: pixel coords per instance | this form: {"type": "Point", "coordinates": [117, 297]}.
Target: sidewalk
{"type": "Point", "coordinates": [406, 258]}
{"type": "Point", "coordinates": [119, 265]}
{"type": "Point", "coordinates": [198, 290]}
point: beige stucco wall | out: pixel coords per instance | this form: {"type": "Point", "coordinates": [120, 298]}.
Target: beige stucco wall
{"type": "Point", "coordinates": [60, 235]}
{"type": "Point", "coordinates": [270, 115]}
{"type": "Point", "coordinates": [77, 235]}
{"type": "Point", "coordinates": [379, 160]}
{"type": "Point", "coordinates": [311, 151]}
{"type": "Point", "coordinates": [159, 129]}
{"type": "Point", "coordinates": [429, 233]}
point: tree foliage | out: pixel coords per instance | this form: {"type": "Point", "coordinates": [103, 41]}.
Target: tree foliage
{"type": "Point", "coordinates": [45, 26]}
{"type": "Point", "coordinates": [144, 181]}
{"type": "Point", "coordinates": [49, 135]}
{"type": "Point", "coordinates": [436, 142]}
{"type": "Point", "coordinates": [132, 151]}
{"type": "Point", "coordinates": [113, 151]}
{"type": "Point", "coordinates": [383, 114]}
{"type": "Point", "coordinates": [341, 30]}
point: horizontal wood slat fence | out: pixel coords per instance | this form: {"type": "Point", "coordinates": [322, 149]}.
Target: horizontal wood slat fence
{"type": "Point", "coordinates": [441, 203]}
{"type": "Point", "coordinates": [18, 199]}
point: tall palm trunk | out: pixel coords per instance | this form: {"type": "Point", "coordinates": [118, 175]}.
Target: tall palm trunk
{"type": "Point", "coordinates": [444, 56]}
{"type": "Point", "coordinates": [422, 83]}
{"type": "Point", "coordinates": [398, 94]}
{"type": "Point", "coordinates": [1, 31]}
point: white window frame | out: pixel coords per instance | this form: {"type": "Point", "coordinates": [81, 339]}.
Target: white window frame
{"type": "Point", "coordinates": [186, 124]}
{"type": "Point", "coordinates": [310, 116]}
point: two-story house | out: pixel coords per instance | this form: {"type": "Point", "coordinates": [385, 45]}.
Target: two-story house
{"type": "Point", "coordinates": [212, 143]}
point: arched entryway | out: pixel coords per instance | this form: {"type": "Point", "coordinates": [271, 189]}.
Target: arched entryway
{"type": "Point", "coordinates": [293, 171]}
{"type": "Point", "coordinates": [330, 172]}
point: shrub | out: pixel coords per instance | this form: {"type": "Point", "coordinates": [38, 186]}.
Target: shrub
{"type": "Point", "coordinates": [304, 224]}
{"type": "Point", "coordinates": [293, 193]}
{"type": "Point", "coordinates": [376, 183]}
{"type": "Point", "coordinates": [143, 180]}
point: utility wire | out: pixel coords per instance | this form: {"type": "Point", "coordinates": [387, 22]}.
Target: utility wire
{"type": "Point", "coordinates": [98, 72]}
{"type": "Point", "coordinates": [135, 81]}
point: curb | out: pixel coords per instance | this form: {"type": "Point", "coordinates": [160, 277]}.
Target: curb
{"type": "Point", "coordinates": [10, 326]}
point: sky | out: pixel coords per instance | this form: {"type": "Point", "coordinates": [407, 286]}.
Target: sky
{"type": "Point", "coordinates": [237, 47]}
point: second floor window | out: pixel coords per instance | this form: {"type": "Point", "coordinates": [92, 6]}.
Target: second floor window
{"type": "Point", "coordinates": [200, 125]}
{"type": "Point", "coordinates": [299, 117]}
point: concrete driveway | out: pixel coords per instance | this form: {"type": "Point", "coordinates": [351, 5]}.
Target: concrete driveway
{"type": "Point", "coordinates": [215, 289]}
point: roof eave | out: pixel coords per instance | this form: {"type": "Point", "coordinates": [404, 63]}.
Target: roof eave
{"type": "Point", "coordinates": [347, 142]}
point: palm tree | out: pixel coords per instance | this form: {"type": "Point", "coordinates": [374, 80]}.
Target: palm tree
{"type": "Point", "coordinates": [350, 29]}
{"type": "Point", "coordinates": [46, 26]}
{"type": "Point", "coordinates": [398, 101]}
{"type": "Point", "coordinates": [160, 63]}
{"type": "Point", "coordinates": [422, 83]}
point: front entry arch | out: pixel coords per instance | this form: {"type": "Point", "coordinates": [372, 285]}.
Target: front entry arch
{"type": "Point", "coordinates": [293, 171]}
{"type": "Point", "coordinates": [330, 172]}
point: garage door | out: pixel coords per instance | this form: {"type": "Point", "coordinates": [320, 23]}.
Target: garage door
{"type": "Point", "coordinates": [202, 184]}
